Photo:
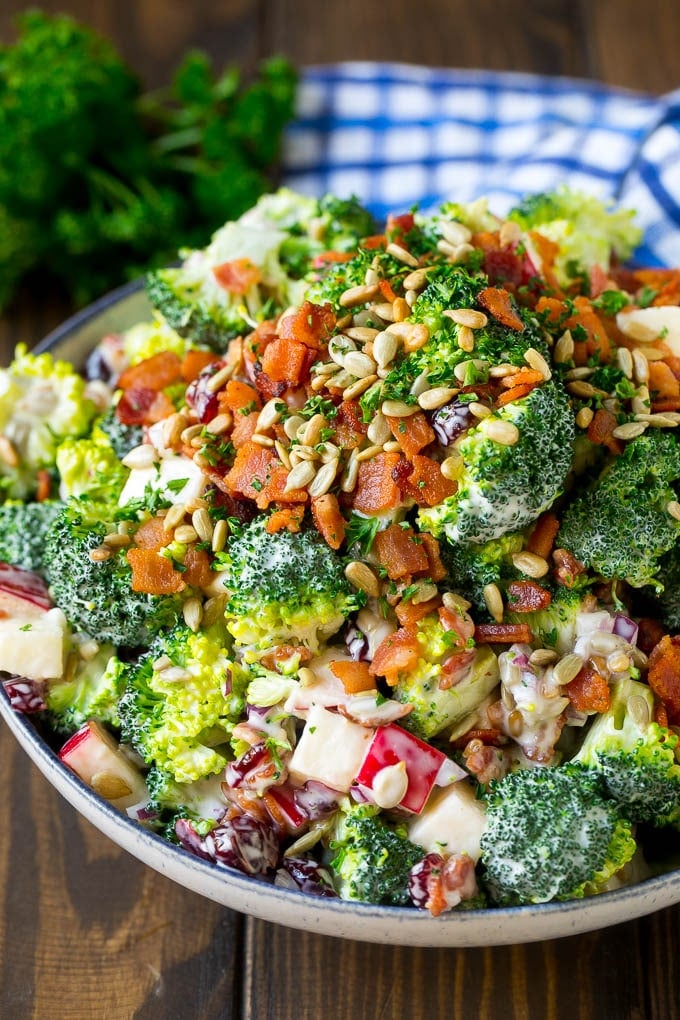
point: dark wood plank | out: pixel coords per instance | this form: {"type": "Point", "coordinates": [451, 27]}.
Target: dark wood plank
{"type": "Point", "coordinates": [634, 44]}
{"type": "Point", "coordinates": [88, 931]}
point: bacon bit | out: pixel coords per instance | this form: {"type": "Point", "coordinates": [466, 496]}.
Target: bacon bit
{"type": "Point", "coordinates": [397, 653]}
{"type": "Point", "coordinates": [374, 241]}
{"type": "Point", "coordinates": [326, 258]}
{"type": "Point", "coordinates": [503, 633]}
{"type": "Point", "coordinates": [44, 485]}
{"type": "Point", "coordinates": [542, 537]}
{"type": "Point", "coordinates": [286, 361]}
{"type": "Point", "coordinates": [650, 633]}
{"type": "Point", "coordinates": [454, 668]}
{"type": "Point", "coordinates": [460, 622]}
{"type": "Point", "coordinates": [588, 691]}
{"type": "Point", "coordinates": [153, 373]}
{"type": "Point", "coordinates": [426, 482]}
{"type": "Point", "coordinates": [527, 597]}
{"type": "Point", "coordinates": [567, 568]}
{"type": "Point", "coordinates": [669, 404]}
{"type": "Point", "coordinates": [411, 613]}
{"type": "Point", "coordinates": [386, 290]}
{"type": "Point", "coordinates": [498, 303]}
{"type": "Point", "coordinates": [349, 428]}
{"type": "Point", "coordinates": [286, 519]}
{"type": "Point", "coordinates": [194, 362]}
{"type": "Point", "coordinates": [596, 343]}
{"type": "Point", "coordinates": [400, 551]}
{"type": "Point", "coordinates": [153, 574]}
{"type": "Point", "coordinates": [450, 884]}
{"type": "Point", "coordinates": [283, 654]}
{"type": "Point", "coordinates": [376, 490]}
{"type": "Point", "coordinates": [486, 762]}
{"type": "Point", "coordinates": [251, 470]}
{"type": "Point", "coordinates": [355, 676]}
{"type": "Point", "coordinates": [275, 489]}
{"type": "Point", "coordinates": [524, 377]}
{"type": "Point", "coordinates": [151, 534]}
{"type": "Point", "coordinates": [198, 570]}
{"type": "Point", "coordinates": [237, 276]}
{"type": "Point", "coordinates": [491, 736]}
{"type": "Point", "coordinates": [244, 428]}
{"type": "Point", "coordinates": [237, 396]}
{"type": "Point", "coordinates": [328, 519]}
{"type": "Point", "coordinates": [516, 393]}
{"type": "Point", "coordinates": [600, 431]}
{"type": "Point", "coordinates": [663, 384]}
{"type": "Point", "coordinates": [660, 715]}
{"type": "Point", "coordinates": [399, 225]}
{"type": "Point", "coordinates": [311, 325]}
{"type": "Point", "coordinates": [664, 675]}
{"type": "Point", "coordinates": [436, 570]}
{"type": "Point", "coordinates": [413, 434]}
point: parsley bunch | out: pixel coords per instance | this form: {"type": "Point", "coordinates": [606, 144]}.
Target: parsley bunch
{"type": "Point", "coordinates": [98, 181]}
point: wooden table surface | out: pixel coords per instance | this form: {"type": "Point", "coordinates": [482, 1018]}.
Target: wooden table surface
{"type": "Point", "coordinates": [87, 931]}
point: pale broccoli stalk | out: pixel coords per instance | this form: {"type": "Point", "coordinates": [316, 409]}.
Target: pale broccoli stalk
{"type": "Point", "coordinates": [555, 626]}
{"type": "Point", "coordinates": [201, 801]}
{"type": "Point", "coordinates": [551, 835]}
{"type": "Point", "coordinates": [634, 756]}
{"type": "Point", "coordinates": [284, 586]}
{"type": "Point", "coordinates": [42, 402]}
{"type": "Point", "coordinates": [503, 488]}
{"type": "Point", "coordinates": [620, 527]}
{"type": "Point", "coordinates": [372, 859]}
{"type": "Point", "coordinates": [437, 701]}
{"type": "Point", "coordinates": [90, 467]}
{"type": "Point", "coordinates": [180, 704]}
{"type": "Point", "coordinates": [92, 693]}
{"type": "Point", "coordinates": [589, 232]}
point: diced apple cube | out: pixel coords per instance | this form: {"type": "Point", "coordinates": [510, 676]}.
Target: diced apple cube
{"type": "Point", "coordinates": [33, 646]}
{"type": "Point", "coordinates": [391, 745]}
{"type": "Point", "coordinates": [452, 822]}
{"type": "Point", "coordinates": [94, 755]}
{"type": "Point", "coordinates": [330, 749]}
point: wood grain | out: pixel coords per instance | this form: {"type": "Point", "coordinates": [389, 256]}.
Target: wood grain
{"type": "Point", "coordinates": [87, 931]}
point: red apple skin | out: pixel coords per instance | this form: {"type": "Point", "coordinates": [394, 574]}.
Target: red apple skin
{"type": "Point", "coordinates": [391, 745]}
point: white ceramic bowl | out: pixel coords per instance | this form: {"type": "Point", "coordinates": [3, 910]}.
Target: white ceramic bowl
{"type": "Point", "coordinates": [402, 926]}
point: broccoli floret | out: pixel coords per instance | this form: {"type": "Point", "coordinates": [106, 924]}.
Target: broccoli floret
{"type": "Point", "coordinates": [145, 339]}
{"type": "Point", "coordinates": [201, 801]}
{"type": "Point", "coordinates": [435, 706]}
{"type": "Point", "coordinates": [588, 231]}
{"type": "Point", "coordinates": [472, 566]}
{"type": "Point", "coordinates": [181, 303]}
{"type": "Point", "coordinates": [669, 599]}
{"type": "Point", "coordinates": [372, 859]}
{"type": "Point", "coordinates": [90, 466]}
{"type": "Point", "coordinates": [175, 709]}
{"type": "Point", "coordinates": [635, 756]}
{"type": "Point", "coordinates": [22, 532]}
{"type": "Point", "coordinates": [621, 527]}
{"type": "Point", "coordinates": [503, 488]}
{"type": "Point", "coordinates": [555, 626]}
{"type": "Point", "coordinates": [42, 402]}
{"type": "Point", "coordinates": [92, 693]}
{"type": "Point", "coordinates": [97, 596]}
{"type": "Point", "coordinates": [122, 438]}
{"type": "Point", "coordinates": [284, 586]}
{"type": "Point", "coordinates": [345, 222]}
{"type": "Point", "coordinates": [551, 835]}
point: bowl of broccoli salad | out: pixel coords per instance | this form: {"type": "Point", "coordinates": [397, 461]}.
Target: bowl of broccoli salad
{"type": "Point", "coordinates": [340, 568]}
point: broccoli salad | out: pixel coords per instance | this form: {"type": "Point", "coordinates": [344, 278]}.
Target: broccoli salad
{"type": "Point", "coordinates": [356, 567]}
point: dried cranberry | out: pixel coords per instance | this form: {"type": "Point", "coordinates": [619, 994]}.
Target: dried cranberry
{"type": "Point", "coordinates": [309, 876]}
{"type": "Point", "coordinates": [419, 879]}
{"type": "Point", "coordinates": [451, 421]}
{"type": "Point", "coordinates": [198, 395]}
{"type": "Point", "coordinates": [25, 695]}
{"type": "Point", "coordinates": [244, 843]}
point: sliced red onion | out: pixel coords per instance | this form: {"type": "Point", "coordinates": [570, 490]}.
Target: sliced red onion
{"type": "Point", "coordinates": [626, 628]}
{"type": "Point", "coordinates": [357, 643]}
{"type": "Point", "coordinates": [449, 773]}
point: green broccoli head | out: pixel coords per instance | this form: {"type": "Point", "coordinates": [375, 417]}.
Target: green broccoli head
{"type": "Point", "coordinates": [90, 467]}
{"type": "Point", "coordinates": [42, 403]}
{"type": "Point", "coordinates": [588, 231]}
{"type": "Point", "coordinates": [284, 586]}
{"type": "Point", "coordinates": [96, 595]}
{"type": "Point", "coordinates": [620, 527]}
{"type": "Point", "coordinates": [551, 835]}
{"type": "Point", "coordinates": [472, 566]}
{"type": "Point", "coordinates": [145, 339]}
{"type": "Point", "coordinates": [122, 438]}
{"type": "Point", "coordinates": [669, 599]}
{"type": "Point", "coordinates": [436, 702]}
{"type": "Point", "coordinates": [503, 488]}
{"type": "Point", "coordinates": [91, 693]}
{"type": "Point", "coordinates": [634, 756]}
{"type": "Point", "coordinates": [372, 859]}
{"type": "Point", "coordinates": [344, 222]}
{"type": "Point", "coordinates": [22, 532]}
{"type": "Point", "coordinates": [181, 701]}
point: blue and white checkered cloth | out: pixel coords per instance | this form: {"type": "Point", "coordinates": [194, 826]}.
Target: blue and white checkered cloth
{"type": "Point", "coordinates": [396, 135]}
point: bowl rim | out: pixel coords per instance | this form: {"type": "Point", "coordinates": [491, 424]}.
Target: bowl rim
{"type": "Point", "coordinates": [561, 918]}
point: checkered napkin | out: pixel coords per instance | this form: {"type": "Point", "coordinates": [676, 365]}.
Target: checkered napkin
{"type": "Point", "coordinates": [396, 135]}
